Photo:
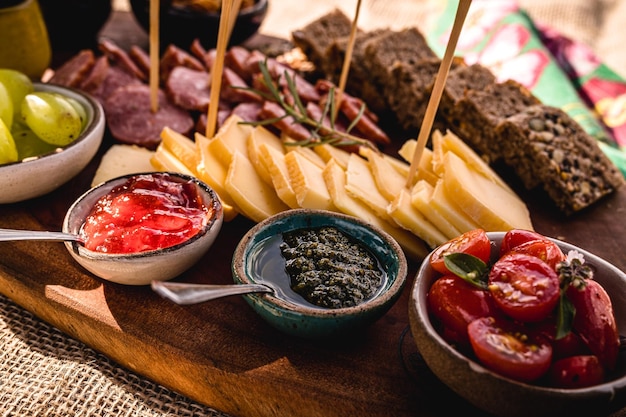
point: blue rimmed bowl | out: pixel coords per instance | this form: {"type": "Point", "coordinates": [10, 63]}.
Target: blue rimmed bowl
{"type": "Point", "coordinates": [288, 312]}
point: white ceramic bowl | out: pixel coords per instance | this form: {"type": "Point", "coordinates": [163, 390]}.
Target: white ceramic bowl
{"type": "Point", "coordinates": [143, 267]}
{"type": "Point", "coordinates": [503, 396]}
{"type": "Point", "coordinates": [35, 177]}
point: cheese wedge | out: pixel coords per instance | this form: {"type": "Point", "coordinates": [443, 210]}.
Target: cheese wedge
{"type": "Point", "coordinates": [452, 143]}
{"type": "Point", "coordinates": [388, 180]}
{"type": "Point", "coordinates": [407, 216]}
{"type": "Point", "coordinates": [425, 167]}
{"type": "Point", "coordinates": [305, 151]}
{"type": "Point", "coordinates": [328, 152]}
{"type": "Point", "coordinates": [307, 182]}
{"type": "Point", "coordinates": [254, 198]}
{"type": "Point", "coordinates": [122, 160]}
{"type": "Point", "coordinates": [261, 136]}
{"type": "Point", "coordinates": [491, 206]}
{"type": "Point", "coordinates": [183, 148]}
{"type": "Point", "coordinates": [274, 162]}
{"type": "Point", "coordinates": [360, 184]}
{"type": "Point", "coordinates": [422, 199]}
{"type": "Point", "coordinates": [451, 211]}
{"type": "Point", "coordinates": [213, 172]}
{"type": "Point", "coordinates": [335, 179]}
{"type": "Point", "coordinates": [231, 137]}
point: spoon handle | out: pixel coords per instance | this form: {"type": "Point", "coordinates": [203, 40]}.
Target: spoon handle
{"type": "Point", "coordinates": [9, 235]}
{"type": "Point", "coordinates": [186, 293]}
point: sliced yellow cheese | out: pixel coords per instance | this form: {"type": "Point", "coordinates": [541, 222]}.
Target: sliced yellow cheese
{"type": "Point", "coordinates": [164, 160]}
{"type": "Point", "coordinates": [360, 184]}
{"type": "Point", "coordinates": [261, 136]}
{"type": "Point", "coordinates": [407, 216]}
{"type": "Point", "coordinates": [425, 167]}
{"type": "Point", "coordinates": [122, 160]}
{"type": "Point", "coordinates": [231, 137]}
{"type": "Point", "coordinates": [180, 146]}
{"type": "Point", "coordinates": [213, 172]}
{"type": "Point", "coordinates": [422, 199]}
{"type": "Point", "coordinates": [254, 198]}
{"type": "Point", "coordinates": [491, 206]}
{"type": "Point", "coordinates": [450, 210]}
{"type": "Point", "coordinates": [328, 152]}
{"type": "Point", "coordinates": [305, 151]}
{"type": "Point", "coordinates": [335, 179]}
{"type": "Point", "coordinates": [307, 182]}
{"type": "Point", "coordinates": [388, 180]}
{"type": "Point", "coordinates": [452, 143]}
{"type": "Point", "coordinates": [274, 162]}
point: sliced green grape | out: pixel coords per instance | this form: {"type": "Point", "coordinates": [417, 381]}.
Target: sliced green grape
{"type": "Point", "coordinates": [6, 107]}
{"type": "Point", "coordinates": [28, 143]}
{"type": "Point", "coordinates": [51, 117]}
{"type": "Point", "coordinates": [17, 85]}
{"type": "Point", "coordinates": [8, 151]}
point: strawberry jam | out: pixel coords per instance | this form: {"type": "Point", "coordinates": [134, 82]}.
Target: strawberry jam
{"type": "Point", "coordinates": [147, 212]}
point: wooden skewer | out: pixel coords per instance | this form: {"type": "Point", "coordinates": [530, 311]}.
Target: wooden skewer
{"type": "Point", "coordinates": [348, 58]}
{"type": "Point", "coordinates": [154, 55]}
{"type": "Point", "coordinates": [226, 25]}
{"type": "Point", "coordinates": [435, 97]}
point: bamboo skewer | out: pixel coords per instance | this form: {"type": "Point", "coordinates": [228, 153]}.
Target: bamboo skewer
{"type": "Point", "coordinates": [435, 97]}
{"type": "Point", "coordinates": [226, 26]}
{"type": "Point", "coordinates": [348, 58]}
{"type": "Point", "coordinates": [154, 55]}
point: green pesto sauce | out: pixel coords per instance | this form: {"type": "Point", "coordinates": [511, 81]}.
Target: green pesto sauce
{"type": "Point", "coordinates": [329, 269]}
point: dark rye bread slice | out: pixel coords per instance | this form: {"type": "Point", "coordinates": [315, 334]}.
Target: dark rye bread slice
{"type": "Point", "coordinates": [359, 83]}
{"type": "Point", "coordinates": [477, 114]}
{"type": "Point", "coordinates": [546, 147]}
{"type": "Point", "coordinates": [315, 38]}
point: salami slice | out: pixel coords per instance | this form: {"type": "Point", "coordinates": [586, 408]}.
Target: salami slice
{"type": "Point", "coordinates": [189, 88]}
{"type": "Point", "coordinates": [131, 119]}
{"type": "Point", "coordinates": [73, 72]}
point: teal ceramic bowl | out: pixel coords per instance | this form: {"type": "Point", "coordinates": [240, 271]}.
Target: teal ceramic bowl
{"type": "Point", "coordinates": [505, 397]}
{"type": "Point", "coordinates": [285, 310]}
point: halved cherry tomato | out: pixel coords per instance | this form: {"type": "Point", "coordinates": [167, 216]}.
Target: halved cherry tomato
{"type": "Point", "coordinates": [508, 349]}
{"type": "Point", "coordinates": [516, 237]}
{"type": "Point", "coordinates": [576, 372]}
{"type": "Point", "coordinates": [569, 345]}
{"type": "Point", "coordinates": [595, 322]}
{"type": "Point", "coordinates": [456, 303]}
{"type": "Point", "coordinates": [474, 242]}
{"type": "Point", "coordinates": [524, 287]}
{"type": "Point", "coordinates": [546, 250]}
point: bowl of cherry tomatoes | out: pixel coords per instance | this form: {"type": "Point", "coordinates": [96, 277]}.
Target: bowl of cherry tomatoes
{"type": "Point", "coordinates": [521, 324]}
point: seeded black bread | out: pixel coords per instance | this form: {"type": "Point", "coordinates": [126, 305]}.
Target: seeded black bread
{"type": "Point", "coordinates": [477, 114]}
{"type": "Point", "coordinates": [547, 148]}
{"type": "Point", "coordinates": [315, 38]}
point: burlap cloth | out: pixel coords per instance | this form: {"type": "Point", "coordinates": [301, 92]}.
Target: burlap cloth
{"type": "Point", "coordinates": [43, 372]}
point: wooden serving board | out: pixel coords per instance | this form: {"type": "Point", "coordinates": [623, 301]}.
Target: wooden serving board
{"type": "Point", "coordinates": [222, 354]}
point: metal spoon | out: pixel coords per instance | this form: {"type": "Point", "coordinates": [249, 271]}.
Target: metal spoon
{"type": "Point", "coordinates": [9, 235]}
{"type": "Point", "coordinates": [186, 293]}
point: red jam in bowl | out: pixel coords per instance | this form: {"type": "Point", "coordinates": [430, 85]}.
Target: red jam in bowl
{"type": "Point", "coordinates": [147, 212]}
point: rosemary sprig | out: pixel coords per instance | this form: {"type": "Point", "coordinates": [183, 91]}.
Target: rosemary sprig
{"type": "Point", "coordinates": [319, 132]}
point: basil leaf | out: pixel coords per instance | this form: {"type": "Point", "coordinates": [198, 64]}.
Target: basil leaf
{"type": "Point", "coordinates": [468, 267]}
{"type": "Point", "coordinates": [564, 316]}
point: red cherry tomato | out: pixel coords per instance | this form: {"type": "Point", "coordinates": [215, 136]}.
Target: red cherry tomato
{"type": "Point", "coordinates": [546, 250]}
{"type": "Point", "coordinates": [508, 349]}
{"type": "Point", "coordinates": [456, 303]}
{"type": "Point", "coordinates": [576, 372]}
{"type": "Point", "coordinates": [474, 242]}
{"type": "Point", "coordinates": [524, 287]}
{"type": "Point", "coordinates": [516, 237]}
{"type": "Point", "coordinates": [594, 321]}
{"type": "Point", "coordinates": [569, 345]}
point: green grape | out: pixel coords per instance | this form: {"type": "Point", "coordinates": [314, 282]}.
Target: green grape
{"type": "Point", "coordinates": [17, 85]}
{"type": "Point", "coordinates": [51, 117]}
{"type": "Point", "coordinates": [6, 107]}
{"type": "Point", "coordinates": [8, 151]}
{"type": "Point", "coordinates": [28, 143]}
{"type": "Point", "coordinates": [80, 109]}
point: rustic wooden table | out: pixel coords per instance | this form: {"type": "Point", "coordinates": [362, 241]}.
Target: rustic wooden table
{"type": "Point", "coordinates": [222, 354]}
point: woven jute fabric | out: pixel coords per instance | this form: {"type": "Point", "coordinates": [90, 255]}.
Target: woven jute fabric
{"type": "Point", "coordinates": [45, 373]}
